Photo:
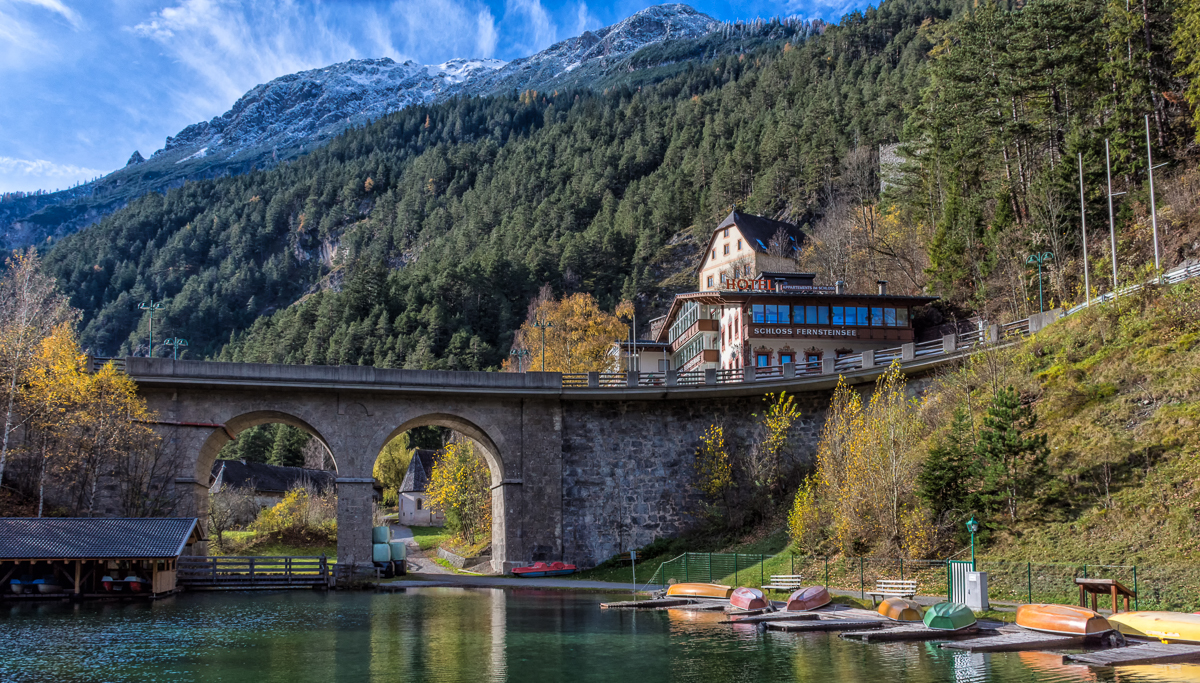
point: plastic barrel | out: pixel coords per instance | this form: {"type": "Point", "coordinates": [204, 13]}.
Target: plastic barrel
{"type": "Point", "coordinates": [380, 534]}
{"type": "Point", "coordinates": [399, 550]}
{"type": "Point", "coordinates": [381, 552]}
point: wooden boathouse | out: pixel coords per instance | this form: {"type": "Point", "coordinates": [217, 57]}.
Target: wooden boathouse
{"type": "Point", "coordinates": [92, 557]}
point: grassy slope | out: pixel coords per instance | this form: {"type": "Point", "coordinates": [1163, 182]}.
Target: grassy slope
{"type": "Point", "coordinates": [1118, 393]}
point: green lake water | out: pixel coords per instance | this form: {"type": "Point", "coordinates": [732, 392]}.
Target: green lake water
{"type": "Point", "coordinates": [452, 634]}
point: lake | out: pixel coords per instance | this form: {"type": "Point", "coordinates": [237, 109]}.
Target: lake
{"type": "Point", "coordinates": [469, 635]}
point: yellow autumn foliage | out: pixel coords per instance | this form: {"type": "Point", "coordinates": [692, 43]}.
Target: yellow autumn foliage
{"type": "Point", "coordinates": [459, 487]}
{"type": "Point", "coordinates": [868, 459]}
{"type": "Point", "coordinates": [578, 336]}
{"type": "Point", "coordinates": [713, 463]}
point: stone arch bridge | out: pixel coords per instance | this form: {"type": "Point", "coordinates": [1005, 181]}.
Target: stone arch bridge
{"type": "Point", "coordinates": [582, 466]}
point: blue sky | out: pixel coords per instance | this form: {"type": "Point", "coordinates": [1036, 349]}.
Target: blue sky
{"type": "Point", "coordinates": [84, 83]}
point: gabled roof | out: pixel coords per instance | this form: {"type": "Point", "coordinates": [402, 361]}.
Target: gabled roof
{"type": "Point", "coordinates": [759, 231]}
{"type": "Point", "coordinates": [63, 538]}
{"type": "Point", "coordinates": [270, 478]}
{"type": "Point", "coordinates": [420, 468]}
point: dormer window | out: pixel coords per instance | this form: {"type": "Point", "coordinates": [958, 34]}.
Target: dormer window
{"type": "Point", "coordinates": [727, 232]}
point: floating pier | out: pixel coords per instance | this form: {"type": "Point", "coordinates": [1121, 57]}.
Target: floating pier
{"type": "Point", "coordinates": [658, 603]}
{"type": "Point", "coordinates": [777, 616]}
{"type": "Point", "coordinates": [824, 625]}
{"type": "Point", "coordinates": [914, 632]}
{"type": "Point", "coordinates": [1015, 642]}
{"type": "Point", "coordinates": [1147, 653]}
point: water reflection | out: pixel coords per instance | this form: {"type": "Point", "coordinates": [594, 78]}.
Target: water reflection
{"type": "Point", "coordinates": [451, 635]}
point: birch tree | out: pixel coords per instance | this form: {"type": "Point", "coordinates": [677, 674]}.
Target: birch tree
{"type": "Point", "coordinates": [30, 310]}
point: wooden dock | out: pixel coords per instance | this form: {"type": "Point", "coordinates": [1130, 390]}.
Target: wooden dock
{"type": "Point", "coordinates": [657, 603]}
{"type": "Point", "coordinates": [1015, 641]}
{"type": "Point", "coordinates": [240, 573]}
{"type": "Point", "coordinates": [777, 616]}
{"type": "Point", "coordinates": [913, 632]}
{"type": "Point", "coordinates": [824, 625]}
{"type": "Point", "coordinates": [1146, 653]}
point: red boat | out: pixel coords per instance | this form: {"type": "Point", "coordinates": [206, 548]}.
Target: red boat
{"type": "Point", "coordinates": [805, 599]}
{"type": "Point", "coordinates": [748, 598]}
{"type": "Point", "coordinates": [542, 569]}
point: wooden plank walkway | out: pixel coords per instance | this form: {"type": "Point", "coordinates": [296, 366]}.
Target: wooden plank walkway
{"type": "Point", "coordinates": [915, 632]}
{"type": "Point", "coordinates": [1147, 653]}
{"type": "Point", "coordinates": [823, 625]}
{"type": "Point", "coordinates": [776, 616]}
{"type": "Point", "coordinates": [228, 572]}
{"type": "Point", "coordinates": [1015, 642]}
{"type": "Point", "coordinates": [657, 603]}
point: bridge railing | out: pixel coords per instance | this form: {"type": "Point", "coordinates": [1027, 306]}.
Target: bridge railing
{"type": "Point", "coordinates": [948, 345]}
{"type": "Point", "coordinates": [253, 572]}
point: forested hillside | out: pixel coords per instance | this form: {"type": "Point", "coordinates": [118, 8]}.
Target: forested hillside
{"type": "Point", "coordinates": [419, 240]}
{"type": "Point", "coordinates": [461, 212]}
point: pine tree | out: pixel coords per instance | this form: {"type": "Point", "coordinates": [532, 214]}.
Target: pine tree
{"type": "Point", "coordinates": [1012, 458]}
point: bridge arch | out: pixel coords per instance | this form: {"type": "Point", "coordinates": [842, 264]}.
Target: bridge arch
{"type": "Point", "coordinates": [212, 445]}
{"type": "Point", "coordinates": [487, 447]}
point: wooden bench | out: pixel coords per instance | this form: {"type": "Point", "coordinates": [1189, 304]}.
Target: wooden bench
{"type": "Point", "coordinates": [893, 589]}
{"type": "Point", "coordinates": [783, 582]}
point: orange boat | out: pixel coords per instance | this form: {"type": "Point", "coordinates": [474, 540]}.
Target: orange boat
{"type": "Point", "coordinates": [700, 590]}
{"type": "Point", "coordinates": [748, 598]}
{"type": "Point", "coordinates": [899, 609]}
{"type": "Point", "coordinates": [808, 598]}
{"type": "Point", "coordinates": [1065, 620]}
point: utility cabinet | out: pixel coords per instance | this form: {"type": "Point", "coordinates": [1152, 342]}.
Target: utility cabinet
{"type": "Point", "coordinates": [977, 591]}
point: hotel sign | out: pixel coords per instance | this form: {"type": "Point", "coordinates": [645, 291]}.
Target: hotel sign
{"type": "Point", "coordinates": [789, 331]}
{"type": "Point", "coordinates": [765, 285]}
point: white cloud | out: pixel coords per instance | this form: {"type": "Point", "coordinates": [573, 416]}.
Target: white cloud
{"type": "Point", "coordinates": [37, 170]}
{"type": "Point", "coordinates": [486, 31]}
{"type": "Point", "coordinates": [24, 36]}
{"type": "Point", "coordinates": [538, 29]}
{"type": "Point", "coordinates": [584, 21]}
{"type": "Point", "coordinates": [58, 7]}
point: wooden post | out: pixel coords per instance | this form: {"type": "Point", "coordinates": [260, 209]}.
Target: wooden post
{"type": "Point", "coordinates": [1082, 596]}
{"type": "Point", "coordinates": [78, 571]}
{"type": "Point", "coordinates": [1114, 598]}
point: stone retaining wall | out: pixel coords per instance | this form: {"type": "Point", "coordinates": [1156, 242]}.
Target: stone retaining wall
{"type": "Point", "coordinates": [628, 474]}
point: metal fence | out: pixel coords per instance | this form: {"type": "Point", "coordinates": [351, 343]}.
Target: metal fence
{"type": "Point", "coordinates": [1158, 587]}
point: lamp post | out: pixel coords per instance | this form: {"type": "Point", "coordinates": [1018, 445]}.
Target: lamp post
{"type": "Point", "coordinates": [1087, 283]}
{"type": "Point", "coordinates": [1153, 210]}
{"type": "Point", "coordinates": [519, 354]}
{"type": "Point", "coordinates": [1112, 225]}
{"type": "Point", "coordinates": [175, 344]}
{"type": "Point", "coordinates": [542, 324]}
{"type": "Point", "coordinates": [152, 307]}
{"type": "Point", "coordinates": [973, 527]}
{"type": "Point", "coordinates": [1039, 259]}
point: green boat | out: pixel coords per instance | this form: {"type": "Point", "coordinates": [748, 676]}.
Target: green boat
{"type": "Point", "coordinates": [949, 616]}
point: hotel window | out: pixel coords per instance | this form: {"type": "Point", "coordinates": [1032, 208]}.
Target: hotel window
{"type": "Point", "coordinates": [889, 317]}
{"type": "Point", "coordinates": [862, 316]}
{"type": "Point", "coordinates": [876, 317]}
{"type": "Point", "coordinates": [710, 281]}
{"type": "Point", "coordinates": [759, 313]}
{"type": "Point", "coordinates": [727, 249]}
{"type": "Point", "coordinates": [764, 360]}
{"type": "Point", "coordinates": [664, 365]}
{"type": "Point", "coordinates": [901, 317]}
{"type": "Point", "coordinates": [714, 252]}
{"type": "Point", "coordinates": [785, 358]}
{"type": "Point", "coordinates": [839, 315]}
{"type": "Point", "coordinates": [813, 360]}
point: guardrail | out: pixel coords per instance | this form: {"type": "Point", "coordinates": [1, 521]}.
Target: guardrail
{"type": "Point", "coordinates": [253, 572]}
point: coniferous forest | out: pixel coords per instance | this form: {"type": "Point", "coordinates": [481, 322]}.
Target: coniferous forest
{"type": "Point", "coordinates": [419, 240]}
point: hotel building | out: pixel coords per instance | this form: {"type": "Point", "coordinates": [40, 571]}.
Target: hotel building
{"type": "Point", "coordinates": [753, 309]}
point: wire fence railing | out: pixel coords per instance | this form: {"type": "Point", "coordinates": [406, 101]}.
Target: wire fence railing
{"type": "Point", "coordinates": [1157, 587]}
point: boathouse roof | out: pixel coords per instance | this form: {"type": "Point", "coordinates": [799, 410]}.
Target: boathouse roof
{"type": "Point", "coordinates": [72, 538]}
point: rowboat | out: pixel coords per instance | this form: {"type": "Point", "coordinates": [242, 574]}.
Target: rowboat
{"type": "Point", "coordinates": [112, 585]}
{"type": "Point", "coordinates": [1169, 627]}
{"type": "Point", "coordinates": [899, 609]}
{"type": "Point", "coordinates": [1065, 620]}
{"type": "Point", "coordinates": [137, 584]}
{"type": "Point", "coordinates": [805, 599]}
{"type": "Point", "coordinates": [748, 598]}
{"type": "Point", "coordinates": [47, 585]}
{"type": "Point", "coordinates": [949, 616]}
{"type": "Point", "coordinates": [700, 590]}
{"type": "Point", "coordinates": [22, 585]}
{"type": "Point", "coordinates": [539, 569]}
